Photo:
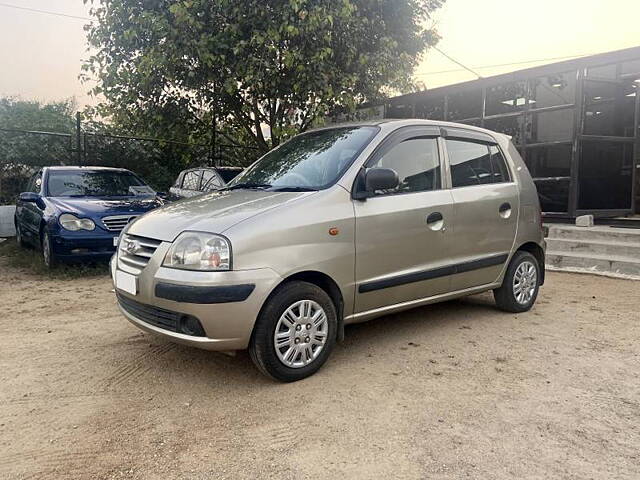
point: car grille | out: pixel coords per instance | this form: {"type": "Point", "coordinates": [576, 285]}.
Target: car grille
{"type": "Point", "coordinates": [116, 223]}
{"type": "Point", "coordinates": [159, 317]}
{"type": "Point", "coordinates": [134, 252]}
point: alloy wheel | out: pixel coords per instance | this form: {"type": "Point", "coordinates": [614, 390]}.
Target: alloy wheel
{"type": "Point", "coordinates": [525, 281]}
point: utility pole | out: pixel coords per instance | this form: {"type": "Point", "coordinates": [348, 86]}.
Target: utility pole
{"type": "Point", "coordinates": [78, 140]}
{"type": "Point", "coordinates": [213, 141]}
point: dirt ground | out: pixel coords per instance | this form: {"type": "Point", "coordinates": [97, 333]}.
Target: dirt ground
{"type": "Point", "coordinates": [456, 390]}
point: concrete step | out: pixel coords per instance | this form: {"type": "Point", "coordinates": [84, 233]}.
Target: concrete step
{"type": "Point", "coordinates": [596, 234]}
{"type": "Point", "coordinates": [599, 247]}
{"type": "Point", "coordinates": [595, 263]}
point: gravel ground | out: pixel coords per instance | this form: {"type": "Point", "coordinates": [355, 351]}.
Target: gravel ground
{"type": "Point", "coordinates": [456, 390]}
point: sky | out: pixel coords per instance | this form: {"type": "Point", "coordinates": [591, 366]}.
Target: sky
{"type": "Point", "coordinates": [40, 55]}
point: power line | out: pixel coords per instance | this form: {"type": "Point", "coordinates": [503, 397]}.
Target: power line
{"type": "Point", "coordinates": [47, 12]}
{"type": "Point", "coordinates": [507, 64]}
{"type": "Point", "coordinates": [457, 62]}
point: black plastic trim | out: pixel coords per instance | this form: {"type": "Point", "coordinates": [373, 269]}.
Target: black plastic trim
{"type": "Point", "coordinates": [433, 273]}
{"type": "Point", "coordinates": [204, 295]}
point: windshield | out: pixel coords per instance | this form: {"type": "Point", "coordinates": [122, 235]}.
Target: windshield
{"type": "Point", "coordinates": [95, 183]}
{"type": "Point", "coordinates": [311, 161]}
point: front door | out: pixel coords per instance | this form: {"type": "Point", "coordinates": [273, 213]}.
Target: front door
{"type": "Point", "coordinates": [486, 205]}
{"type": "Point", "coordinates": [29, 214]}
{"type": "Point", "coordinates": [402, 235]}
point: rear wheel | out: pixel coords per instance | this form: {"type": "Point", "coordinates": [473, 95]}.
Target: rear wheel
{"type": "Point", "coordinates": [521, 283]}
{"type": "Point", "coordinates": [295, 332]}
{"type": "Point", "coordinates": [48, 256]}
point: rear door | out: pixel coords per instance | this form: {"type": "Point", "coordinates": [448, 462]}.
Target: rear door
{"type": "Point", "coordinates": [401, 235]}
{"type": "Point", "coordinates": [485, 205]}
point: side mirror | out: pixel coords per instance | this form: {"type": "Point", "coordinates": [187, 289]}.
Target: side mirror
{"type": "Point", "coordinates": [380, 179]}
{"type": "Point", "coordinates": [29, 197]}
{"type": "Point", "coordinates": [373, 179]}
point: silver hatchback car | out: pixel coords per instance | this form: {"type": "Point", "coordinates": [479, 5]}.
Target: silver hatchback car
{"type": "Point", "coordinates": [336, 226]}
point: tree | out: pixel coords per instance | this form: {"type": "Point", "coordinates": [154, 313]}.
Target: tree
{"type": "Point", "coordinates": [274, 65]}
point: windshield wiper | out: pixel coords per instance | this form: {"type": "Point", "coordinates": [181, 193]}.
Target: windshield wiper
{"type": "Point", "coordinates": [247, 185]}
{"type": "Point", "coordinates": [294, 189]}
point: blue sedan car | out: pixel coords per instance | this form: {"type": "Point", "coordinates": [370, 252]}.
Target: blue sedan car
{"type": "Point", "coordinates": [77, 213]}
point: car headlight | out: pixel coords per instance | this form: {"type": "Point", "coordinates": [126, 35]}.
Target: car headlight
{"type": "Point", "coordinates": [72, 223]}
{"type": "Point", "coordinates": [199, 251]}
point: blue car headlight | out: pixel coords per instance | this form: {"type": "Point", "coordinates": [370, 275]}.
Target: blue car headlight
{"type": "Point", "coordinates": [72, 223]}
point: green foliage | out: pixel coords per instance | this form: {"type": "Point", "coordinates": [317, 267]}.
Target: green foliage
{"type": "Point", "coordinates": [283, 64]}
{"type": "Point", "coordinates": [21, 153]}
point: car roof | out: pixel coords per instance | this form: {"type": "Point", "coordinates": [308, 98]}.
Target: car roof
{"type": "Point", "coordinates": [390, 124]}
{"type": "Point", "coordinates": [72, 168]}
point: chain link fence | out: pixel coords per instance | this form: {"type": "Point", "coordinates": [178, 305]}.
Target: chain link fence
{"type": "Point", "coordinates": [158, 161]}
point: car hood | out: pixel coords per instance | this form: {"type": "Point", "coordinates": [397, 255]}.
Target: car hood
{"type": "Point", "coordinates": [213, 212]}
{"type": "Point", "coordinates": [103, 206]}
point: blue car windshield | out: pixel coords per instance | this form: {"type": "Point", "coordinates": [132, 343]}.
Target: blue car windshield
{"type": "Point", "coordinates": [311, 161]}
{"type": "Point", "coordinates": [95, 183]}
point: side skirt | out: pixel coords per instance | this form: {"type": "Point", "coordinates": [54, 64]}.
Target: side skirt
{"type": "Point", "coordinates": [398, 307]}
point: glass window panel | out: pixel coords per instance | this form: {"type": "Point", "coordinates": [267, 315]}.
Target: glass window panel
{"type": "Point", "coordinates": [595, 92]}
{"type": "Point", "coordinates": [631, 67]}
{"type": "Point", "coordinates": [549, 161]}
{"type": "Point", "coordinates": [417, 163]}
{"type": "Point", "coordinates": [508, 125]}
{"type": "Point", "coordinates": [470, 163]}
{"type": "Point", "coordinates": [552, 90]}
{"type": "Point", "coordinates": [555, 126]}
{"type": "Point", "coordinates": [605, 175]}
{"type": "Point", "coordinates": [553, 194]}
{"type": "Point", "coordinates": [465, 105]}
{"type": "Point", "coordinates": [431, 108]}
{"type": "Point", "coordinates": [498, 165]}
{"type": "Point", "coordinates": [606, 71]}
{"type": "Point", "coordinates": [191, 180]}
{"type": "Point", "coordinates": [507, 98]}
{"type": "Point", "coordinates": [210, 181]}
{"type": "Point", "coordinates": [400, 110]}
{"type": "Point", "coordinates": [614, 113]}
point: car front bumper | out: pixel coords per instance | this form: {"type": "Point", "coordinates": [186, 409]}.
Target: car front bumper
{"type": "Point", "coordinates": [83, 247]}
{"type": "Point", "coordinates": [226, 304]}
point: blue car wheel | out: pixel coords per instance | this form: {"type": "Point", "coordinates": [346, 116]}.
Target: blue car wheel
{"type": "Point", "coordinates": [47, 252]}
{"type": "Point", "coordinates": [19, 238]}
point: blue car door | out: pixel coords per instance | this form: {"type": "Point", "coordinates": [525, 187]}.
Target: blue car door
{"type": "Point", "coordinates": [29, 214]}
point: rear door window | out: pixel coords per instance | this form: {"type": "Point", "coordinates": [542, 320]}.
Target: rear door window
{"type": "Point", "coordinates": [475, 163]}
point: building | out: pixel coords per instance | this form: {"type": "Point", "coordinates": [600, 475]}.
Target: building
{"type": "Point", "coordinates": [576, 123]}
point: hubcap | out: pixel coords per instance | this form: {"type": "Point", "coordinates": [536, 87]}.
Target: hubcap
{"type": "Point", "coordinates": [525, 282]}
{"type": "Point", "coordinates": [301, 333]}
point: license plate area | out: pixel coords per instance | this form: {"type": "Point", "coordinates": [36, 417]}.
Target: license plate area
{"type": "Point", "coordinates": [126, 282]}
{"type": "Point", "coordinates": [115, 241]}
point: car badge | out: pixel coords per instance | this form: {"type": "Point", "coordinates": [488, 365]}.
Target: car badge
{"type": "Point", "coordinates": [132, 247]}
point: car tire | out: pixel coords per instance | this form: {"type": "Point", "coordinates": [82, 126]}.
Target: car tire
{"type": "Point", "coordinates": [19, 237]}
{"type": "Point", "coordinates": [303, 318]}
{"type": "Point", "coordinates": [521, 283]}
{"type": "Point", "coordinates": [48, 256]}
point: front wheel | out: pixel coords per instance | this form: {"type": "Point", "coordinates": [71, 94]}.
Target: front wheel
{"type": "Point", "coordinates": [521, 283]}
{"type": "Point", "coordinates": [295, 332]}
{"type": "Point", "coordinates": [48, 256]}
{"type": "Point", "coordinates": [19, 236]}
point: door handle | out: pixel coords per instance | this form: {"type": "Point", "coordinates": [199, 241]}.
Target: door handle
{"type": "Point", "coordinates": [505, 210]}
{"type": "Point", "coordinates": [435, 221]}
